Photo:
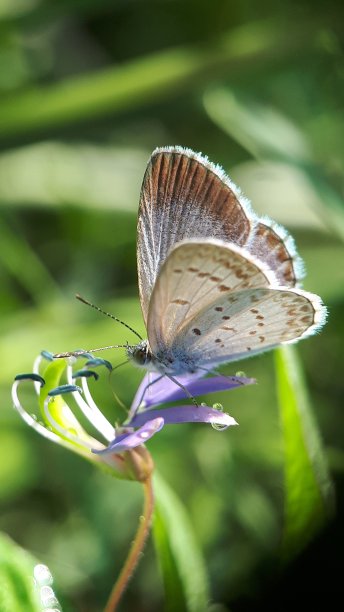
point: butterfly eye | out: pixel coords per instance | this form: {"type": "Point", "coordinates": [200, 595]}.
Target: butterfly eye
{"type": "Point", "coordinates": [140, 354]}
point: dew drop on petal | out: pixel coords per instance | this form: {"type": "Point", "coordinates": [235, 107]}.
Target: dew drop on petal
{"type": "Point", "coordinates": [219, 426]}
{"type": "Point", "coordinates": [218, 406]}
{"type": "Point", "coordinates": [48, 597]}
{"type": "Point", "coordinates": [42, 575]}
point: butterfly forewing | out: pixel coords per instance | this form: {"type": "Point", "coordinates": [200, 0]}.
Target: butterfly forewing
{"type": "Point", "coordinates": [194, 277]}
{"type": "Point", "coordinates": [184, 196]}
{"type": "Point", "coordinates": [248, 322]}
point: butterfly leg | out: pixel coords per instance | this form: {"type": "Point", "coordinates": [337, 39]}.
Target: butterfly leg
{"type": "Point", "coordinates": [132, 413]}
{"type": "Point", "coordinates": [186, 391]}
{"type": "Point", "coordinates": [231, 378]}
{"type": "Point", "coordinates": [117, 398]}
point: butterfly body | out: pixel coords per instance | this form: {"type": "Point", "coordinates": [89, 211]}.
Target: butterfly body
{"type": "Point", "coordinates": [172, 361]}
{"type": "Point", "coordinates": [217, 283]}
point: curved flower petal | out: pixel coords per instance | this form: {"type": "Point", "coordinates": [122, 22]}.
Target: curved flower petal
{"type": "Point", "coordinates": [185, 414]}
{"type": "Point", "coordinates": [160, 389]}
{"type": "Point", "coordinates": [89, 407]}
{"type": "Point", "coordinates": [127, 441]}
{"type": "Point", "coordinates": [155, 388]}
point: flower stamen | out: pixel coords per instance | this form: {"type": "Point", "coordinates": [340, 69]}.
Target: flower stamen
{"type": "Point", "coordinates": [89, 408]}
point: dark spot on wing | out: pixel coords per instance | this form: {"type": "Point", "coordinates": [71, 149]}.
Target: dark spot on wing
{"type": "Point", "coordinates": [197, 331]}
{"type": "Point", "coordinates": [241, 274]}
{"type": "Point", "coordinates": [180, 302]}
{"type": "Point", "coordinates": [307, 319]}
{"type": "Point", "coordinates": [304, 308]}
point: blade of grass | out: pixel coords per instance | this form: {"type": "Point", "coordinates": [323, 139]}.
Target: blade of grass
{"type": "Point", "coordinates": [267, 134]}
{"type": "Point", "coordinates": [20, 260]}
{"type": "Point", "coordinates": [152, 78]}
{"type": "Point", "coordinates": [309, 497]}
{"type": "Point", "coordinates": [260, 129]}
{"type": "Point", "coordinates": [180, 559]}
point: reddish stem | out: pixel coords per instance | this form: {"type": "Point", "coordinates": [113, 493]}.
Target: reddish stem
{"type": "Point", "coordinates": [136, 548]}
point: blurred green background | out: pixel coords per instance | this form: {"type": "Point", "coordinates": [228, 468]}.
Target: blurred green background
{"type": "Point", "coordinates": [88, 90]}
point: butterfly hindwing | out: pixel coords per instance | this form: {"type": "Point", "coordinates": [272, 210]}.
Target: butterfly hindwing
{"type": "Point", "coordinates": [248, 322]}
{"type": "Point", "coordinates": [195, 276]}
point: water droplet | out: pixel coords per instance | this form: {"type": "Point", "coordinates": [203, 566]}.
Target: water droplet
{"type": "Point", "coordinates": [241, 374]}
{"type": "Point", "coordinates": [48, 597]}
{"type": "Point", "coordinates": [42, 575]}
{"type": "Point", "coordinates": [218, 406]}
{"type": "Point", "coordinates": [219, 426]}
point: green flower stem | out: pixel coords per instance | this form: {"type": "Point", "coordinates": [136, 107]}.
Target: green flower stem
{"type": "Point", "coordinates": [136, 548]}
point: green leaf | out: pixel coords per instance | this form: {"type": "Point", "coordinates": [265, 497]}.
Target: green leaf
{"type": "Point", "coordinates": [181, 562]}
{"type": "Point", "coordinates": [16, 579]}
{"type": "Point", "coordinates": [309, 497]}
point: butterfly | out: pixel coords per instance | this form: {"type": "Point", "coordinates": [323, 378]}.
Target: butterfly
{"type": "Point", "coordinates": [216, 282]}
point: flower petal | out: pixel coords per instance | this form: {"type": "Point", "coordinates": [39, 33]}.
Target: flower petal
{"type": "Point", "coordinates": [130, 440]}
{"type": "Point", "coordinates": [165, 390]}
{"type": "Point", "coordinates": [185, 414]}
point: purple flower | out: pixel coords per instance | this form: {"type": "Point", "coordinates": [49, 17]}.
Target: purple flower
{"type": "Point", "coordinates": [112, 446]}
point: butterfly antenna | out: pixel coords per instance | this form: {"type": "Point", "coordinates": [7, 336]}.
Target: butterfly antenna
{"type": "Point", "coordinates": [84, 353]}
{"type": "Point", "coordinates": [108, 314]}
